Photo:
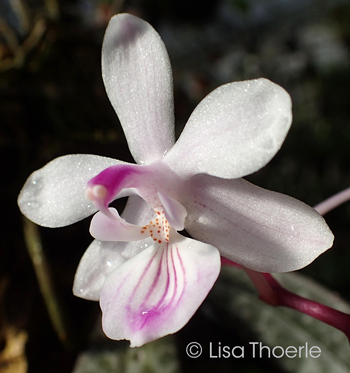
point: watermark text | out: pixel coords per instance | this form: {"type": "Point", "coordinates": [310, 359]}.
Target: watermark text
{"type": "Point", "coordinates": [256, 350]}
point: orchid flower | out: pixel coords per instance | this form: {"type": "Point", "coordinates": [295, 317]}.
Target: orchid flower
{"type": "Point", "coordinates": [149, 278]}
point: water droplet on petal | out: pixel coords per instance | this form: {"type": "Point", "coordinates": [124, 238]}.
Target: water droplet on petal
{"type": "Point", "coordinates": [37, 184]}
{"type": "Point", "coordinates": [34, 204]}
{"type": "Point", "coordinates": [34, 187]}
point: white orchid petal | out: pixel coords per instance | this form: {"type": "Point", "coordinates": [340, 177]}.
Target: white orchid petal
{"type": "Point", "coordinates": [259, 229]}
{"type": "Point", "coordinates": [234, 131]}
{"type": "Point", "coordinates": [137, 75]}
{"type": "Point", "coordinates": [54, 196]}
{"type": "Point", "coordinates": [98, 261]}
{"type": "Point", "coordinates": [101, 258]}
{"type": "Point", "coordinates": [173, 211]}
{"type": "Point", "coordinates": [157, 292]}
{"type": "Point", "coordinates": [104, 228]}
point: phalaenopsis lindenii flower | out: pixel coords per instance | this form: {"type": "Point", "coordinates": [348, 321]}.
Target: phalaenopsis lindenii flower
{"type": "Point", "coordinates": [149, 278]}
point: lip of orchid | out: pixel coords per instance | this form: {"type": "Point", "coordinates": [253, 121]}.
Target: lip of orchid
{"type": "Point", "coordinates": [107, 184]}
{"type": "Point", "coordinates": [153, 184]}
{"type": "Point", "coordinates": [104, 187]}
{"type": "Point", "coordinates": [148, 180]}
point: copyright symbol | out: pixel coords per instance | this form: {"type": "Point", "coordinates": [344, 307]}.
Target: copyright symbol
{"type": "Point", "coordinates": [194, 350]}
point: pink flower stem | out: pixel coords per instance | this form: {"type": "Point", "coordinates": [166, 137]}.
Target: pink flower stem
{"type": "Point", "coordinates": [271, 292]}
{"type": "Point", "coordinates": [267, 292]}
{"type": "Point", "coordinates": [333, 202]}
{"type": "Point", "coordinates": [328, 315]}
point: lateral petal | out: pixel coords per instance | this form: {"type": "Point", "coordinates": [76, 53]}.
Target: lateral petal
{"type": "Point", "coordinates": [98, 261]}
{"type": "Point", "coordinates": [54, 196]}
{"type": "Point", "coordinates": [156, 292]}
{"type": "Point", "coordinates": [138, 79]}
{"type": "Point", "coordinates": [259, 229]}
{"type": "Point", "coordinates": [234, 131]}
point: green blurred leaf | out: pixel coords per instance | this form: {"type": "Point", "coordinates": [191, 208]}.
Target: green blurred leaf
{"type": "Point", "coordinates": [107, 356]}
{"type": "Point", "coordinates": [235, 302]}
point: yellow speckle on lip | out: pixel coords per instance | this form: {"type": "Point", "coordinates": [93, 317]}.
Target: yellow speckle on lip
{"type": "Point", "coordinates": [161, 232]}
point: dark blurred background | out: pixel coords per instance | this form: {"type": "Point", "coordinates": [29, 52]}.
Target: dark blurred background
{"type": "Point", "coordinates": [53, 102]}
